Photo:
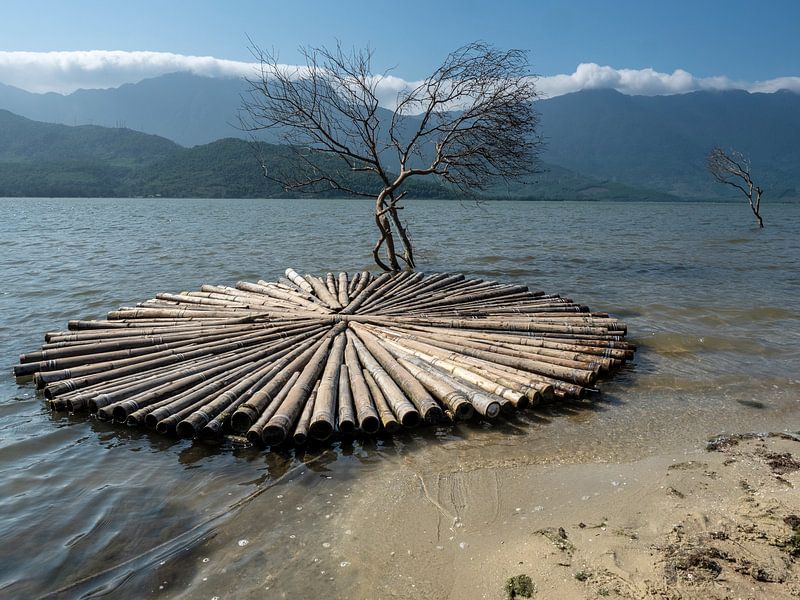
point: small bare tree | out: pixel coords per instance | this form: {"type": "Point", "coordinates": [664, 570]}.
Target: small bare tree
{"type": "Point", "coordinates": [733, 168]}
{"type": "Point", "coordinates": [470, 123]}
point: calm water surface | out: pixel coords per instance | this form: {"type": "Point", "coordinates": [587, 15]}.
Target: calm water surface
{"type": "Point", "coordinates": [92, 509]}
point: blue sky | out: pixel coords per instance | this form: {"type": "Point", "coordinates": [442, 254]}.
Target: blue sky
{"type": "Point", "coordinates": [740, 40]}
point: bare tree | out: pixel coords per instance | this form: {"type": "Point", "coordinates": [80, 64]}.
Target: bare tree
{"type": "Point", "coordinates": [733, 168]}
{"type": "Point", "coordinates": [470, 123]}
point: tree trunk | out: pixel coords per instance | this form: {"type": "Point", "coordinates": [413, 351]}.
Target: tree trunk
{"type": "Point", "coordinates": [386, 237]}
{"type": "Point", "coordinates": [758, 217]}
{"type": "Point", "coordinates": [757, 208]}
{"type": "Point", "coordinates": [408, 251]}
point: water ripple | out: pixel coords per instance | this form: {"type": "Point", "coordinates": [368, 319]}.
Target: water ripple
{"type": "Point", "coordinates": [107, 510]}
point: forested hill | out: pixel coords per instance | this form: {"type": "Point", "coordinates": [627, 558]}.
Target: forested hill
{"type": "Point", "coordinates": [46, 159]}
{"type": "Point", "coordinates": [661, 142]}
{"type": "Point", "coordinates": [599, 136]}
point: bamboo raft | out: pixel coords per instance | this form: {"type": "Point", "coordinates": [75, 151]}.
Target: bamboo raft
{"type": "Point", "coordinates": [307, 357]}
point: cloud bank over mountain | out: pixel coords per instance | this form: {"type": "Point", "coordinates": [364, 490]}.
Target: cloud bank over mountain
{"type": "Point", "coordinates": [66, 71]}
{"type": "Point", "coordinates": [649, 82]}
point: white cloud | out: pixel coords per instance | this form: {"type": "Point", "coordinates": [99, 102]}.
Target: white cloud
{"type": "Point", "coordinates": [779, 83]}
{"type": "Point", "coordinates": [65, 72]}
{"type": "Point", "coordinates": [648, 82]}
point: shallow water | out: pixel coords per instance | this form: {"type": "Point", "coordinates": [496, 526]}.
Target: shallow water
{"type": "Point", "coordinates": [90, 508]}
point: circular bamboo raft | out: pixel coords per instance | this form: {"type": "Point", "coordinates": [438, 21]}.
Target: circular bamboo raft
{"type": "Point", "coordinates": [307, 357]}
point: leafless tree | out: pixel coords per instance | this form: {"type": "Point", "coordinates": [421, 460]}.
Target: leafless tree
{"type": "Point", "coordinates": [733, 168]}
{"type": "Point", "coordinates": [471, 123]}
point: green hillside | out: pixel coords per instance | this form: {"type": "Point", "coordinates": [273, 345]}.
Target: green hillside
{"type": "Point", "coordinates": [23, 140]}
{"type": "Point", "coordinates": [230, 168]}
{"type": "Point", "coordinates": [660, 142]}
{"type": "Point", "coordinates": [46, 159]}
{"type": "Point", "coordinates": [599, 142]}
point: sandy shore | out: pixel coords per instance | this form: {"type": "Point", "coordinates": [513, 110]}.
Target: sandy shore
{"type": "Point", "coordinates": [714, 522]}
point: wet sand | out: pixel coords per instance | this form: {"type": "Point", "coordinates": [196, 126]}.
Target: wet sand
{"type": "Point", "coordinates": [713, 521]}
{"type": "Point", "coordinates": [702, 524]}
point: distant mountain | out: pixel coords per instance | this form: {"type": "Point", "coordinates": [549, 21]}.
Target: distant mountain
{"type": "Point", "coordinates": [23, 140]}
{"type": "Point", "coordinates": [656, 143]}
{"type": "Point", "coordinates": [188, 109]}
{"type": "Point", "coordinates": [660, 142]}
{"type": "Point", "coordinates": [47, 159]}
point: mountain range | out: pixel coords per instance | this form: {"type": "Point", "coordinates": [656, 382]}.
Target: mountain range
{"type": "Point", "coordinates": [599, 143]}
{"type": "Point", "coordinates": [50, 159]}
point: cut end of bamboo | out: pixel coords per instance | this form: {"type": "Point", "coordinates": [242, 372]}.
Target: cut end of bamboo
{"type": "Point", "coordinates": [316, 357]}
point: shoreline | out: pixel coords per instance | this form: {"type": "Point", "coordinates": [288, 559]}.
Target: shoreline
{"type": "Point", "coordinates": [712, 522]}
{"type": "Point", "coordinates": [717, 520]}
{"type": "Point", "coordinates": [698, 523]}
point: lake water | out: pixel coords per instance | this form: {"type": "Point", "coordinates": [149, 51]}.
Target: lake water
{"type": "Point", "coordinates": [88, 508]}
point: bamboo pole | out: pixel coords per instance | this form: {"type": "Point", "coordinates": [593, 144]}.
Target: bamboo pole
{"type": "Point", "coordinates": [49, 357]}
{"type": "Point", "coordinates": [363, 281]}
{"type": "Point", "coordinates": [366, 414]}
{"type": "Point", "coordinates": [322, 292]}
{"type": "Point", "coordinates": [343, 297]}
{"type": "Point", "coordinates": [323, 419]}
{"type": "Point", "coordinates": [274, 293]}
{"type": "Point", "coordinates": [445, 393]}
{"type": "Point", "coordinates": [359, 298]}
{"type": "Point", "coordinates": [392, 394]}
{"type": "Point", "coordinates": [169, 424]}
{"type": "Point", "coordinates": [385, 414]}
{"type": "Point", "coordinates": [261, 372]}
{"type": "Point", "coordinates": [428, 408]}
{"type": "Point", "coordinates": [228, 401]}
{"type": "Point", "coordinates": [346, 420]}
{"type": "Point", "coordinates": [248, 412]}
{"type": "Point", "coordinates": [419, 289]}
{"type": "Point", "coordinates": [571, 371]}
{"type": "Point", "coordinates": [219, 357]}
{"type": "Point", "coordinates": [278, 427]}
{"type": "Point", "coordinates": [76, 362]}
{"type": "Point", "coordinates": [530, 385]}
{"type": "Point", "coordinates": [307, 355]}
{"type": "Point", "coordinates": [485, 404]}
{"type": "Point", "coordinates": [330, 283]}
{"type": "Point", "coordinates": [464, 372]}
{"type": "Point", "coordinates": [300, 435]}
{"type": "Point", "coordinates": [296, 279]}
{"type": "Point", "coordinates": [353, 284]}
{"type": "Point", "coordinates": [254, 434]}
{"type": "Point", "coordinates": [162, 401]}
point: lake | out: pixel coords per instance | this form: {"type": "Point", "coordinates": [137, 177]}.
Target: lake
{"type": "Point", "coordinates": [91, 508]}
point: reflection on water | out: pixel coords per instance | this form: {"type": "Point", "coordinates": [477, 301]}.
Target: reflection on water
{"type": "Point", "coordinates": [89, 507]}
